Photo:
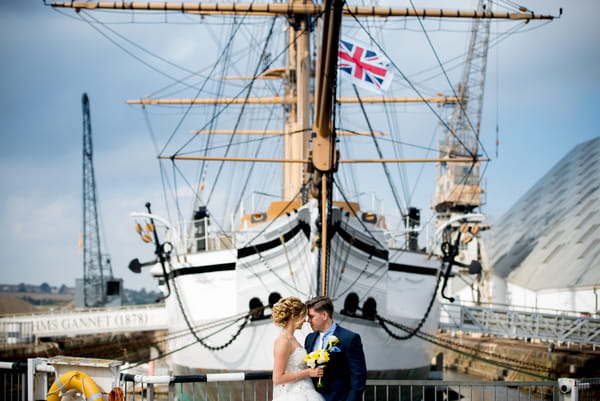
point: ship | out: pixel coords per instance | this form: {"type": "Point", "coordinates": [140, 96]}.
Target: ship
{"type": "Point", "coordinates": [268, 167]}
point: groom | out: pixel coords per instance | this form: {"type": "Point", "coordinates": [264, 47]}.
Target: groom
{"type": "Point", "coordinates": [345, 374]}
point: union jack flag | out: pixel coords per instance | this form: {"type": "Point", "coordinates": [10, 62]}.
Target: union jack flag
{"type": "Point", "coordinates": [363, 65]}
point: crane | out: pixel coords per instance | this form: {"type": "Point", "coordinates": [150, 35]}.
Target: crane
{"type": "Point", "coordinates": [458, 190]}
{"type": "Point", "coordinates": [98, 287]}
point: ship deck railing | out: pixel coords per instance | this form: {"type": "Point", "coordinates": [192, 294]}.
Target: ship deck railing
{"type": "Point", "coordinates": [211, 238]}
{"type": "Point", "coordinates": [514, 322]}
{"type": "Point", "coordinates": [31, 381]}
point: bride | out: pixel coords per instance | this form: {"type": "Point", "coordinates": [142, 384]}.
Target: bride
{"type": "Point", "coordinates": [291, 377]}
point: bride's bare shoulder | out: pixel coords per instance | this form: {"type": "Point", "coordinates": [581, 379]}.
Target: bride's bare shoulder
{"type": "Point", "coordinates": [284, 342]}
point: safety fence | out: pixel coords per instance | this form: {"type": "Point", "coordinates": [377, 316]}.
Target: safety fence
{"type": "Point", "coordinates": [13, 381]}
{"type": "Point", "coordinates": [20, 382]}
{"type": "Point", "coordinates": [555, 327]}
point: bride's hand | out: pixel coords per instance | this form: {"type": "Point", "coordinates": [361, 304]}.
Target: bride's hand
{"type": "Point", "coordinates": [315, 372]}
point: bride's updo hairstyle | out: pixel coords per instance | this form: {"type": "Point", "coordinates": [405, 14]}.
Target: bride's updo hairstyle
{"type": "Point", "coordinates": [286, 308]}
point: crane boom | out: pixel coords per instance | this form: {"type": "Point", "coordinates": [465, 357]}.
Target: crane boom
{"type": "Point", "coordinates": [97, 284]}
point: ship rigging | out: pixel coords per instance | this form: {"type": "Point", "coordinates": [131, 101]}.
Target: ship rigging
{"type": "Point", "coordinates": [306, 242]}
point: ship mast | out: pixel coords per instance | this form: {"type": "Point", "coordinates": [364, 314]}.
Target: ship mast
{"type": "Point", "coordinates": [324, 154]}
{"type": "Point", "coordinates": [321, 159]}
{"type": "Point", "coordinates": [297, 127]}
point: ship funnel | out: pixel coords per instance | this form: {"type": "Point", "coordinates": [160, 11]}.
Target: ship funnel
{"type": "Point", "coordinates": [412, 223]}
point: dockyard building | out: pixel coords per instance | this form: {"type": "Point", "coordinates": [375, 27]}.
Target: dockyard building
{"type": "Point", "coordinates": [544, 252]}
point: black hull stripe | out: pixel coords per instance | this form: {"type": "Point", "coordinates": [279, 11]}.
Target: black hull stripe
{"type": "Point", "coordinates": [201, 269]}
{"type": "Point", "coordinates": [425, 271]}
{"type": "Point", "coordinates": [274, 243]}
{"type": "Point", "coordinates": [363, 246]}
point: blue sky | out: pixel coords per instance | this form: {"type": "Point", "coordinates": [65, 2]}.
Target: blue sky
{"type": "Point", "coordinates": [544, 84]}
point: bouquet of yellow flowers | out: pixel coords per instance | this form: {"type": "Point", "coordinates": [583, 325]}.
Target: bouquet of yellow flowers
{"type": "Point", "coordinates": [320, 357]}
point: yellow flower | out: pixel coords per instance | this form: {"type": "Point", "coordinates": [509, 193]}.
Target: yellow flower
{"type": "Point", "coordinates": [311, 359]}
{"type": "Point", "coordinates": [323, 357]}
{"type": "Point", "coordinates": [331, 341]}
{"type": "Point", "coordinates": [316, 358]}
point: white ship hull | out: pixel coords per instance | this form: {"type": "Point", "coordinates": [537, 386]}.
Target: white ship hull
{"type": "Point", "coordinates": [210, 289]}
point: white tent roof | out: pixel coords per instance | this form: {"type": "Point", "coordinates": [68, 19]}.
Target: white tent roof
{"type": "Point", "coordinates": [551, 237]}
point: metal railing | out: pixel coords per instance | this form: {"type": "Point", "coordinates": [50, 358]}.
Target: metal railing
{"type": "Point", "coordinates": [255, 386]}
{"type": "Point", "coordinates": [523, 324]}
{"type": "Point", "coordinates": [443, 390]}
{"type": "Point", "coordinates": [234, 388]}
{"type": "Point", "coordinates": [13, 381]}
{"type": "Point", "coordinates": [19, 383]}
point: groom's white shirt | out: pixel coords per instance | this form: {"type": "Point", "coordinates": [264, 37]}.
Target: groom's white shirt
{"type": "Point", "coordinates": [323, 336]}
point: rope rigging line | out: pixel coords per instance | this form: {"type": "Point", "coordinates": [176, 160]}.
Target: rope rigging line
{"type": "Point", "coordinates": [493, 43]}
{"type": "Point", "coordinates": [413, 331]}
{"type": "Point", "coordinates": [455, 347]}
{"type": "Point", "coordinates": [460, 103]}
{"type": "Point", "coordinates": [253, 164]}
{"type": "Point", "coordinates": [200, 89]}
{"type": "Point", "coordinates": [342, 265]}
{"type": "Point", "coordinates": [143, 49]}
{"type": "Point", "coordinates": [422, 169]}
{"type": "Point", "coordinates": [239, 143]}
{"type": "Point", "coordinates": [391, 140]}
{"type": "Point", "coordinates": [216, 39]}
{"type": "Point", "coordinates": [298, 194]}
{"type": "Point", "coordinates": [198, 340]}
{"type": "Point", "coordinates": [383, 265]}
{"type": "Point", "coordinates": [177, 203]}
{"type": "Point", "coordinates": [116, 348]}
{"type": "Point", "coordinates": [176, 80]}
{"type": "Point", "coordinates": [248, 141]}
{"type": "Point", "coordinates": [392, 122]}
{"type": "Point", "coordinates": [355, 212]}
{"type": "Point", "coordinates": [243, 108]}
{"type": "Point", "coordinates": [217, 223]}
{"type": "Point", "coordinates": [412, 85]}
{"type": "Point", "coordinates": [247, 265]}
{"type": "Point", "coordinates": [334, 294]}
{"type": "Point", "coordinates": [182, 175]}
{"type": "Point", "coordinates": [201, 340]}
{"type": "Point", "coordinates": [244, 89]}
{"type": "Point", "coordinates": [379, 152]}
{"type": "Point", "coordinates": [164, 181]}
{"type": "Point", "coordinates": [203, 166]}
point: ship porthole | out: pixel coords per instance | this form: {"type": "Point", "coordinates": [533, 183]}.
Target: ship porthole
{"type": "Point", "coordinates": [369, 309]}
{"type": "Point", "coordinates": [256, 308]}
{"type": "Point", "coordinates": [273, 298]}
{"type": "Point", "coordinates": [350, 304]}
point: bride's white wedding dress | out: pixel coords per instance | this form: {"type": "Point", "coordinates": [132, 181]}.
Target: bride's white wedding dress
{"type": "Point", "coordinates": [302, 390]}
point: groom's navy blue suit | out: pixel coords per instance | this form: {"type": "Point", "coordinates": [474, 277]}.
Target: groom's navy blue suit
{"type": "Point", "coordinates": [345, 375]}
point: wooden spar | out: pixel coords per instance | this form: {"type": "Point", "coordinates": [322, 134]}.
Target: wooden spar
{"type": "Point", "coordinates": [296, 141]}
{"type": "Point", "coordinates": [260, 132]}
{"type": "Point", "coordinates": [442, 99]}
{"type": "Point", "coordinates": [291, 100]}
{"type": "Point", "coordinates": [442, 160]}
{"type": "Point", "coordinates": [295, 9]}
{"type": "Point", "coordinates": [324, 153]}
{"type": "Point", "coordinates": [251, 159]}
{"type": "Point", "coordinates": [233, 159]}
{"type": "Point", "coordinates": [323, 159]}
{"type": "Point", "coordinates": [238, 132]}
{"type": "Point", "coordinates": [228, 100]}
{"type": "Point", "coordinates": [324, 233]}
